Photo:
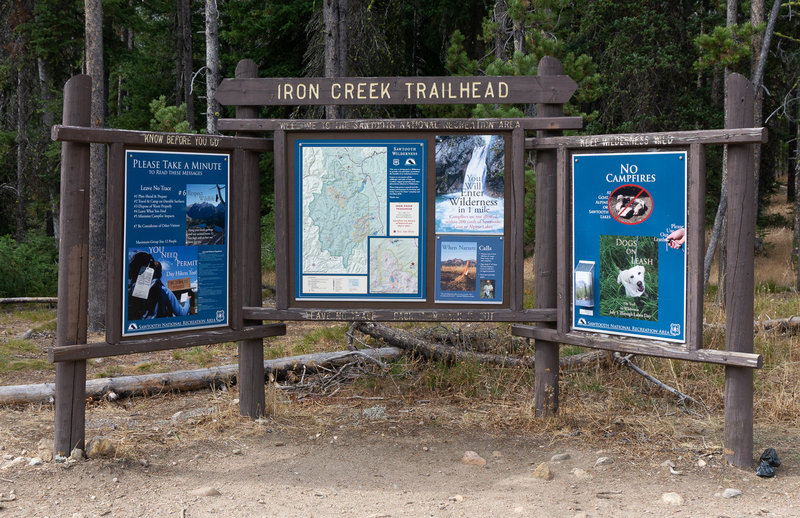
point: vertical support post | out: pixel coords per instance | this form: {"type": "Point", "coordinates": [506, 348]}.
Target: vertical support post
{"type": "Point", "coordinates": [738, 442]}
{"type": "Point", "coordinates": [695, 238]}
{"type": "Point", "coordinates": [252, 400]}
{"type": "Point", "coordinates": [545, 256]}
{"type": "Point", "coordinates": [73, 271]}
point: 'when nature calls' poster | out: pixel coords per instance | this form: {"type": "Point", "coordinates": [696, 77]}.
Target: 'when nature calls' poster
{"type": "Point", "coordinates": [470, 216]}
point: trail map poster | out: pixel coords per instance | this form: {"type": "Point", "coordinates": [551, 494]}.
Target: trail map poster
{"type": "Point", "coordinates": [176, 241]}
{"type": "Point", "coordinates": [360, 219]}
{"type": "Point", "coordinates": [470, 218]}
{"type": "Point", "coordinates": [629, 249]}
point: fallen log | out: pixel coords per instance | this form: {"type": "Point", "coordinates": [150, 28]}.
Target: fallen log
{"type": "Point", "coordinates": [28, 300]}
{"type": "Point", "coordinates": [439, 352]}
{"type": "Point", "coordinates": [776, 325]}
{"type": "Point", "coordinates": [191, 379]}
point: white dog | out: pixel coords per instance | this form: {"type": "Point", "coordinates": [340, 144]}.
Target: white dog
{"type": "Point", "coordinates": [633, 281]}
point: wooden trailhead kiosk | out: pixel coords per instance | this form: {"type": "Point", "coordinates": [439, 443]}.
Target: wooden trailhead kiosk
{"type": "Point", "coordinates": [405, 220]}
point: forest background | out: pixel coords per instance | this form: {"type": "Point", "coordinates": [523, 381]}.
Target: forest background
{"type": "Point", "coordinates": [641, 66]}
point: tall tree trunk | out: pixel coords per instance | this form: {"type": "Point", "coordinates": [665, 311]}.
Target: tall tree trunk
{"type": "Point", "coordinates": [719, 218]}
{"type": "Point", "coordinates": [334, 16]}
{"type": "Point", "coordinates": [48, 118]}
{"type": "Point", "coordinates": [501, 19]}
{"type": "Point", "coordinates": [797, 198]}
{"type": "Point", "coordinates": [185, 14]}
{"type": "Point", "coordinates": [97, 168]}
{"type": "Point", "coordinates": [757, 18]}
{"type": "Point", "coordinates": [212, 66]}
{"type": "Point", "coordinates": [23, 165]}
{"type": "Point", "coordinates": [791, 191]}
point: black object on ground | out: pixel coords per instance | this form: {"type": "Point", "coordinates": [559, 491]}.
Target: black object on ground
{"type": "Point", "coordinates": [769, 461]}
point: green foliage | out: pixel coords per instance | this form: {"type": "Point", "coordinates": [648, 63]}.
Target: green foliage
{"type": "Point", "coordinates": [28, 269]}
{"type": "Point", "coordinates": [726, 47]}
{"type": "Point", "coordinates": [168, 118]}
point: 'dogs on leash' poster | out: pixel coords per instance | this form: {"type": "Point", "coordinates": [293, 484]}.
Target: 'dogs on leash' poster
{"type": "Point", "coordinates": [629, 249]}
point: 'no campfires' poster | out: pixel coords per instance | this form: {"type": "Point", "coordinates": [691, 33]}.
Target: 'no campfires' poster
{"type": "Point", "coordinates": [629, 249]}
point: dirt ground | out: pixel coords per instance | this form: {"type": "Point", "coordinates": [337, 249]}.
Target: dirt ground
{"type": "Point", "coordinates": [361, 457]}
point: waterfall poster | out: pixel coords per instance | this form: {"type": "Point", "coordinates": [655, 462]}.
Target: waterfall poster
{"type": "Point", "coordinates": [469, 184]}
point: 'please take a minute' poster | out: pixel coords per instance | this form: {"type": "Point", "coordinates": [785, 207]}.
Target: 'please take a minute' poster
{"type": "Point", "coordinates": [629, 246]}
{"type": "Point", "coordinates": [176, 241]}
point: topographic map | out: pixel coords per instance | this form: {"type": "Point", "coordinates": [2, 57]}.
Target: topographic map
{"type": "Point", "coordinates": [344, 200]}
{"type": "Point", "coordinates": [393, 265]}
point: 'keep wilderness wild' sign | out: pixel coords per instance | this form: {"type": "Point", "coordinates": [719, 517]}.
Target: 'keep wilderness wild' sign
{"type": "Point", "coordinates": [629, 249]}
{"type": "Point", "coordinates": [176, 241]}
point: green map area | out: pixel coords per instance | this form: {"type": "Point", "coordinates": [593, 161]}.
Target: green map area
{"type": "Point", "coordinates": [344, 200]}
{"type": "Point", "coordinates": [393, 265]}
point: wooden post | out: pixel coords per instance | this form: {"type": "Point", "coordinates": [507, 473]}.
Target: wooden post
{"type": "Point", "coordinates": [252, 401]}
{"type": "Point", "coordinates": [73, 270]}
{"type": "Point", "coordinates": [545, 257]}
{"type": "Point", "coordinates": [738, 441]}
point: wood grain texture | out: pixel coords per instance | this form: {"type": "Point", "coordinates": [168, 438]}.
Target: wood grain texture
{"type": "Point", "coordinates": [639, 346]}
{"type": "Point", "coordinates": [328, 125]}
{"type": "Point", "coordinates": [243, 91]}
{"type": "Point", "coordinates": [164, 342]}
{"type": "Point", "coordinates": [73, 270]}
{"type": "Point", "coordinates": [738, 441]}
{"type": "Point", "coordinates": [157, 140]}
{"type": "Point", "coordinates": [663, 139]}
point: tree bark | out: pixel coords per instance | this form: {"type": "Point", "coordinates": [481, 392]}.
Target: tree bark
{"type": "Point", "coordinates": [212, 66]}
{"type": "Point", "coordinates": [192, 379]}
{"type": "Point", "coordinates": [185, 14]}
{"type": "Point", "coordinates": [719, 218]}
{"type": "Point", "coordinates": [23, 165]}
{"type": "Point", "coordinates": [97, 167]}
{"type": "Point", "coordinates": [501, 19]}
{"type": "Point", "coordinates": [334, 16]}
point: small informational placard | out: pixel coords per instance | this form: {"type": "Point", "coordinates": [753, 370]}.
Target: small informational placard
{"type": "Point", "coordinates": [360, 218]}
{"type": "Point", "coordinates": [629, 250]}
{"type": "Point", "coordinates": [470, 218]}
{"type": "Point", "coordinates": [175, 242]}
{"type": "Point", "coordinates": [470, 269]}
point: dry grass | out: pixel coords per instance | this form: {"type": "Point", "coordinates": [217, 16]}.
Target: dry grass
{"type": "Point", "coordinates": [606, 405]}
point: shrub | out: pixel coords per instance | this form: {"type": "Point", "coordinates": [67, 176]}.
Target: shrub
{"type": "Point", "coordinates": [30, 268]}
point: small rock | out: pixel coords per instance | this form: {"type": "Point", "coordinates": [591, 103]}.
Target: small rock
{"type": "Point", "coordinates": [18, 461]}
{"type": "Point", "coordinates": [543, 471]}
{"type": "Point", "coordinates": [701, 463]}
{"type": "Point", "coordinates": [45, 450]}
{"type": "Point", "coordinates": [473, 459]}
{"type": "Point", "coordinates": [672, 499]}
{"type": "Point", "coordinates": [237, 451]}
{"type": "Point", "coordinates": [36, 461]}
{"type": "Point", "coordinates": [497, 454]}
{"type": "Point", "coordinates": [519, 509]}
{"type": "Point", "coordinates": [100, 447]}
{"type": "Point", "coordinates": [560, 457]}
{"type": "Point", "coordinates": [456, 498]}
{"type": "Point", "coordinates": [581, 515]}
{"type": "Point", "coordinates": [374, 413]}
{"type": "Point", "coordinates": [144, 462]}
{"type": "Point", "coordinates": [115, 480]}
{"type": "Point", "coordinates": [58, 459]}
{"type": "Point", "coordinates": [76, 454]}
{"type": "Point", "coordinates": [205, 491]}
{"type": "Point", "coordinates": [581, 474]}
{"type": "Point", "coordinates": [731, 493]}
{"type": "Point", "coordinates": [667, 464]}
{"type": "Point", "coordinates": [8, 456]}
{"type": "Point", "coordinates": [603, 461]}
